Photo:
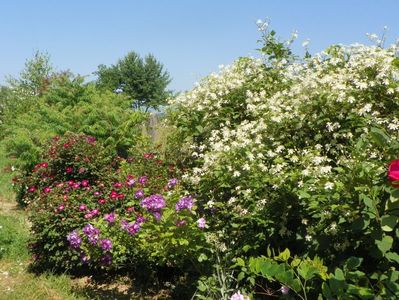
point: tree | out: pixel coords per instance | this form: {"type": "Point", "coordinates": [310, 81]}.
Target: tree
{"type": "Point", "coordinates": [34, 78]}
{"type": "Point", "coordinates": [144, 81]}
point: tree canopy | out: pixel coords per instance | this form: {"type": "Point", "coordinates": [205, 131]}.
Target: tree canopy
{"type": "Point", "coordinates": [143, 80]}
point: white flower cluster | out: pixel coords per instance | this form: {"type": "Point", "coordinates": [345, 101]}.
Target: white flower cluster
{"type": "Point", "coordinates": [256, 118]}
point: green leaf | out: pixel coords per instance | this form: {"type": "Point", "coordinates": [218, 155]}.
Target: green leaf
{"type": "Point", "coordinates": [240, 276]}
{"type": "Point", "coordinates": [379, 136]}
{"type": "Point", "coordinates": [362, 292]}
{"type": "Point", "coordinates": [392, 256]}
{"type": "Point", "coordinates": [240, 262]}
{"type": "Point", "coordinates": [353, 263]}
{"type": "Point", "coordinates": [283, 256]}
{"type": "Point", "coordinates": [246, 248]}
{"type": "Point", "coordinates": [202, 287]}
{"type": "Point", "coordinates": [307, 271]}
{"type": "Point", "coordinates": [295, 262]}
{"type": "Point", "coordinates": [360, 224]}
{"type": "Point", "coordinates": [385, 244]}
{"type": "Point", "coordinates": [388, 222]}
{"type": "Point", "coordinates": [202, 257]}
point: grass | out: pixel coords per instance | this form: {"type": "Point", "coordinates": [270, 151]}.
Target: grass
{"type": "Point", "coordinates": [16, 282]}
{"type": "Point", "coordinates": [6, 174]}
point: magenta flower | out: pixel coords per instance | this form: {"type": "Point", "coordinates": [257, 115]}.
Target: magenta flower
{"type": "Point", "coordinates": [143, 180]}
{"type": "Point", "coordinates": [85, 183]}
{"type": "Point", "coordinates": [47, 189]}
{"type": "Point", "coordinates": [61, 207]}
{"type": "Point", "coordinates": [82, 207]}
{"type": "Point", "coordinates": [32, 189]}
{"type": "Point", "coordinates": [113, 195]}
{"type": "Point", "coordinates": [117, 185]}
{"type": "Point", "coordinates": [102, 201]}
{"type": "Point", "coordinates": [96, 194]}
{"type": "Point", "coordinates": [68, 170]}
{"type": "Point", "coordinates": [90, 139]}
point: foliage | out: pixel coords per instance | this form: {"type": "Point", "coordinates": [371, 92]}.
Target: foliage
{"type": "Point", "coordinates": [35, 76]}
{"type": "Point", "coordinates": [144, 81]}
{"type": "Point", "coordinates": [293, 275]}
{"type": "Point", "coordinates": [71, 105]}
{"type": "Point", "coordinates": [294, 153]}
{"type": "Point", "coordinates": [77, 185]}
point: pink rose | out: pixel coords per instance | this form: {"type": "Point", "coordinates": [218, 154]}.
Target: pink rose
{"type": "Point", "coordinates": [393, 172]}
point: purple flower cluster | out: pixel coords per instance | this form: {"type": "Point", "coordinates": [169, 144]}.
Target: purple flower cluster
{"type": "Point", "coordinates": [171, 183]}
{"type": "Point", "coordinates": [139, 194]}
{"type": "Point", "coordinates": [143, 180]}
{"type": "Point", "coordinates": [110, 218]}
{"type": "Point", "coordinates": [132, 228]}
{"type": "Point", "coordinates": [74, 239]}
{"type": "Point", "coordinates": [154, 205]}
{"type": "Point", "coordinates": [185, 203]}
{"type": "Point", "coordinates": [106, 244]}
{"type": "Point", "coordinates": [92, 233]}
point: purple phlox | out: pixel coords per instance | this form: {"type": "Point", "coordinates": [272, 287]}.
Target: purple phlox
{"type": "Point", "coordinates": [154, 205]}
{"type": "Point", "coordinates": [185, 203]}
{"type": "Point", "coordinates": [171, 183]}
{"type": "Point", "coordinates": [143, 179]}
{"type": "Point", "coordinates": [110, 218]}
{"type": "Point", "coordinates": [139, 194]}
{"type": "Point", "coordinates": [74, 239]}
{"type": "Point", "coordinates": [106, 244]}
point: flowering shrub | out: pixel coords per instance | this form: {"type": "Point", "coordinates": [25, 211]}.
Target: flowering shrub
{"type": "Point", "coordinates": [293, 153]}
{"type": "Point", "coordinates": [90, 210]}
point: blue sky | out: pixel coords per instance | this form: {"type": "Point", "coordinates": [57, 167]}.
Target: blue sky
{"type": "Point", "coordinates": [191, 38]}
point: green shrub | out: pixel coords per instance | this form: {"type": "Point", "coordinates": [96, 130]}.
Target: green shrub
{"type": "Point", "coordinates": [78, 185]}
{"type": "Point", "coordinates": [70, 105]}
{"type": "Point", "coordinates": [294, 154]}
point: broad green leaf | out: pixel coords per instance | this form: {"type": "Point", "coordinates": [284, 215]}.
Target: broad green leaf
{"type": "Point", "coordinates": [385, 244]}
{"type": "Point", "coordinates": [353, 263]}
{"type": "Point", "coordinates": [392, 256]}
{"type": "Point", "coordinates": [284, 256]}
{"type": "Point", "coordinates": [388, 222]}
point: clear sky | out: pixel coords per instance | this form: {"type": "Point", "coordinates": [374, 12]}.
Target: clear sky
{"type": "Point", "coordinates": [190, 37]}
